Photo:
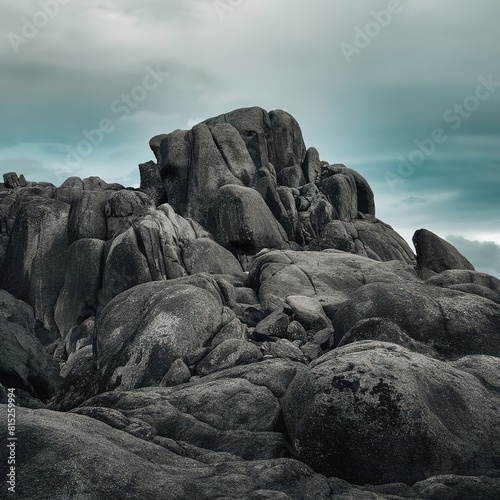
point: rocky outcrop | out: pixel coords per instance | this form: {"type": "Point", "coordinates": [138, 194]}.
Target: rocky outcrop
{"type": "Point", "coordinates": [251, 148]}
{"type": "Point", "coordinates": [241, 326]}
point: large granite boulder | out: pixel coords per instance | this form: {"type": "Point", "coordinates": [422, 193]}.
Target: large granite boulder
{"type": "Point", "coordinates": [142, 331]}
{"type": "Point", "coordinates": [374, 412]}
{"type": "Point", "coordinates": [453, 323]}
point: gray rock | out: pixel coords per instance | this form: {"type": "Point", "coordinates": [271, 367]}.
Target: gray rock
{"type": "Point", "coordinates": [87, 217]}
{"type": "Point", "coordinates": [144, 330]}
{"type": "Point", "coordinates": [229, 353]}
{"type": "Point", "coordinates": [385, 330]}
{"type": "Point", "coordinates": [273, 325]}
{"type": "Point", "coordinates": [36, 258]}
{"type": "Point", "coordinates": [296, 331]}
{"type": "Point", "coordinates": [177, 374]}
{"type": "Point", "coordinates": [242, 219]}
{"type": "Point", "coordinates": [468, 281]}
{"type": "Point", "coordinates": [151, 182]}
{"type": "Point", "coordinates": [312, 165]}
{"type": "Point", "coordinates": [340, 190]}
{"type": "Point", "coordinates": [308, 312]}
{"type": "Point", "coordinates": [245, 295]}
{"type": "Point", "coordinates": [78, 297]}
{"type": "Point", "coordinates": [453, 323]}
{"type": "Point", "coordinates": [205, 255]}
{"type": "Point", "coordinates": [284, 349]}
{"type": "Point", "coordinates": [278, 274]}
{"type": "Point", "coordinates": [377, 413]}
{"type": "Point", "coordinates": [84, 330]}
{"type": "Point", "coordinates": [11, 180]}
{"type": "Point", "coordinates": [24, 364]}
{"type": "Point", "coordinates": [232, 330]}
{"type": "Point", "coordinates": [123, 208]}
{"type": "Point", "coordinates": [435, 255]}
{"type": "Point", "coordinates": [114, 461]}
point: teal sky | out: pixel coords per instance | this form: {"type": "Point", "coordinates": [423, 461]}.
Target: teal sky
{"type": "Point", "coordinates": [367, 81]}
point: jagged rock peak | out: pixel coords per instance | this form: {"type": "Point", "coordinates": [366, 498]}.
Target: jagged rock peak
{"type": "Point", "coordinates": [316, 205]}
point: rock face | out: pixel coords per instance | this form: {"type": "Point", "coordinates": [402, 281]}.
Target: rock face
{"type": "Point", "coordinates": [375, 412]}
{"type": "Point", "coordinates": [251, 148]}
{"type": "Point", "coordinates": [241, 326]}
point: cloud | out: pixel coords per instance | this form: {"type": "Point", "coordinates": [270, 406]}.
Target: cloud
{"type": "Point", "coordinates": [484, 255]}
{"type": "Point", "coordinates": [280, 54]}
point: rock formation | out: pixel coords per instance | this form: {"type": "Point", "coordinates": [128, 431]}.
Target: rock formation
{"type": "Point", "coordinates": [241, 326]}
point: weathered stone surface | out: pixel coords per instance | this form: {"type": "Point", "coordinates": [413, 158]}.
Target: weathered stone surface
{"type": "Point", "coordinates": [36, 258]}
{"type": "Point", "coordinates": [435, 255]}
{"type": "Point", "coordinates": [377, 413]}
{"type": "Point", "coordinates": [144, 330]}
{"type": "Point", "coordinates": [107, 463]}
{"type": "Point", "coordinates": [123, 208]}
{"type": "Point", "coordinates": [24, 364]}
{"type": "Point", "coordinates": [178, 373]}
{"type": "Point", "coordinates": [243, 220]}
{"type": "Point", "coordinates": [78, 297]}
{"type": "Point", "coordinates": [308, 312]}
{"type": "Point", "coordinates": [481, 284]}
{"type": "Point", "coordinates": [87, 217]}
{"type": "Point", "coordinates": [451, 322]}
{"type": "Point", "coordinates": [229, 353]}
{"type": "Point", "coordinates": [384, 330]}
{"type": "Point", "coordinates": [206, 374]}
{"type": "Point", "coordinates": [151, 182]}
{"type": "Point", "coordinates": [205, 255]}
{"type": "Point", "coordinates": [331, 277]}
{"type": "Point", "coordinates": [284, 349]}
{"type": "Point", "coordinates": [273, 325]}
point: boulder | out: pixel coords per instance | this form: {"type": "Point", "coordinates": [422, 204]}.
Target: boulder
{"type": "Point", "coordinates": [453, 323]}
{"type": "Point", "coordinates": [330, 277]}
{"type": "Point", "coordinates": [151, 182]}
{"type": "Point", "coordinates": [243, 220]}
{"type": "Point", "coordinates": [229, 353]}
{"type": "Point", "coordinates": [87, 217]}
{"type": "Point", "coordinates": [205, 255]}
{"type": "Point", "coordinates": [435, 255]}
{"type": "Point", "coordinates": [142, 331]}
{"type": "Point", "coordinates": [374, 412]}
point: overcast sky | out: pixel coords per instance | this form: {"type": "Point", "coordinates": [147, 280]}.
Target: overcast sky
{"type": "Point", "coordinates": [365, 80]}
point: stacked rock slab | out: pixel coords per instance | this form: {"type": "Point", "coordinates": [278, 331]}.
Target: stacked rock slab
{"type": "Point", "coordinates": [315, 205]}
